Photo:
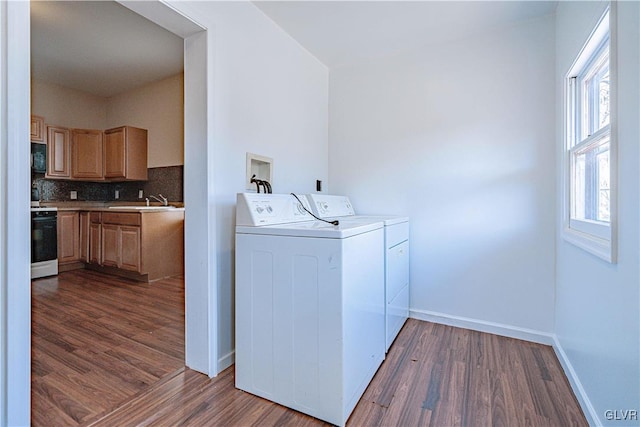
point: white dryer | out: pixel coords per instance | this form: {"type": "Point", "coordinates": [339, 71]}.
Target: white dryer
{"type": "Point", "coordinates": [396, 244]}
{"type": "Point", "coordinates": [309, 306]}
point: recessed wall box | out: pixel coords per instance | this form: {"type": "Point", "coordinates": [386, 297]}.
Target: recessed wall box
{"type": "Point", "coordinates": [261, 167]}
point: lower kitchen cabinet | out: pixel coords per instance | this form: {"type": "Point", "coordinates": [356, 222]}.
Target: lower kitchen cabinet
{"type": "Point", "coordinates": [90, 237]}
{"type": "Point", "coordinates": [109, 245]}
{"type": "Point", "coordinates": [84, 236]}
{"type": "Point", "coordinates": [144, 246]}
{"type": "Point", "coordinates": [68, 238]}
{"type": "Point", "coordinates": [121, 246]}
{"type": "Point", "coordinates": [95, 239]}
{"type": "Point", "coordinates": [130, 249]}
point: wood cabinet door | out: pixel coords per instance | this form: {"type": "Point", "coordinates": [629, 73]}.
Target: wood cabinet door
{"type": "Point", "coordinates": [95, 243]}
{"type": "Point", "coordinates": [84, 236]}
{"type": "Point", "coordinates": [58, 152]}
{"type": "Point", "coordinates": [110, 245]}
{"type": "Point", "coordinates": [114, 153]}
{"type": "Point", "coordinates": [130, 248]}
{"type": "Point", "coordinates": [86, 155]}
{"type": "Point", "coordinates": [125, 154]}
{"type": "Point", "coordinates": [37, 129]}
{"type": "Point", "coordinates": [68, 237]}
{"type": "Point", "coordinates": [136, 153]}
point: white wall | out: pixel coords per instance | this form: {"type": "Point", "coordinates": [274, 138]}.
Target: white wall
{"type": "Point", "coordinates": [459, 137]}
{"type": "Point", "coordinates": [157, 107]}
{"type": "Point", "coordinates": [267, 96]}
{"type": "Point", "coordinates": [597, 303]}
{"type": "Point", "coordinates": [61, 106]}
{"type": "Point", "coordinates": [15, 289]}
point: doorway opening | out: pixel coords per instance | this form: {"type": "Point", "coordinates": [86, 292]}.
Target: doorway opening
{"type": "Point", "coordinates": [199, 281]}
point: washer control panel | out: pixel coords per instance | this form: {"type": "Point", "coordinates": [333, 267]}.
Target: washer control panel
{"type": "Point", "coordinates": [326, 206]}
{"type": "Point", "coordinates": [255, 209]}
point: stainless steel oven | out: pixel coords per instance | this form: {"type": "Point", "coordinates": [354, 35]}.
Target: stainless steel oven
{"type": "Point", "coordinates": [44, 242]}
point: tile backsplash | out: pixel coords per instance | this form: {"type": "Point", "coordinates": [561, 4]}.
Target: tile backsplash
{"type": "Point", "coordinates": [167, 181]}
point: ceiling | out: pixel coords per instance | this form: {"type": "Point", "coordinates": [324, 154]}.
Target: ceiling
{"type": "Point", "coordinates": [100, 47]}
{"type": "Point", "coordinates": [339, 32]}
{"type": "Point", "coordinates": [103, 48]}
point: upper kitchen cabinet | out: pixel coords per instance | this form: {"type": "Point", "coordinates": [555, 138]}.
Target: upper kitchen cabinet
{"type": "Point", "coordinates": [118, 154]}
{"type": "Point", "coordinates": [58, 152]}
{"type": "Point", "coordinates": [37, 129]}
{"type": "Point", "coordinates": [86, 155]}
{"type": "Point", "coordinates": [125, 154]}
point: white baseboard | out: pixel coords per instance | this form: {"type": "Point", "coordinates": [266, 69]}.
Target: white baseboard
{"type": "Point", "coordinates": [588, 409]}
{"type": "Point", "coordinates": [484, 326]}
{"type": "Point", "coordinates": [227, 360]}
{"type": "Point", "coordinates": [523, 334]}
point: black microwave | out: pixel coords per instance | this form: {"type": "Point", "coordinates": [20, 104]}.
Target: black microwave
{"type": "Point", "coordinates": [38, 158]}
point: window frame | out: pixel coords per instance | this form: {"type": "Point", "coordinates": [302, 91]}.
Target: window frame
{"type": "Point", "coordinates": [595, 237]}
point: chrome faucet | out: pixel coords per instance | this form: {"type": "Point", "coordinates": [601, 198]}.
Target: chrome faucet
{"type": "Point", "coordinates": [162, 199]}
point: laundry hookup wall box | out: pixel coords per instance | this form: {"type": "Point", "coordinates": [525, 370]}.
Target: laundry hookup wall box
{"type": "Point", "coordinates": [258, 167]}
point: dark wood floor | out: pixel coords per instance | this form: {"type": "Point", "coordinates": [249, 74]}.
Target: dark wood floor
{"type": "Point", "coordinates": [98, 340]}
{"type": "Point", "coordinates": [437, 375]}
{"type": "Point", "coordinates": [434, 375]}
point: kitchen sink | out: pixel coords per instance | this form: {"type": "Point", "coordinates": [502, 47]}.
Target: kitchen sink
{"type": "Point", "coordinates": [142, 208]}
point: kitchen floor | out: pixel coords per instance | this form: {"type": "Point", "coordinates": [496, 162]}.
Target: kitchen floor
{"type": "Point", "coordinates": [98, 340]}
{"type": "Point", "coordinates": [107, 351]}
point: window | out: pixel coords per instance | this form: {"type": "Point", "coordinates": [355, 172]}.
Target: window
{"type": "Point", "coordinates": [588, 150]}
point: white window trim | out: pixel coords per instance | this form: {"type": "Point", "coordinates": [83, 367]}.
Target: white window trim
{"type": "Point", "coordinates": [592, 236]}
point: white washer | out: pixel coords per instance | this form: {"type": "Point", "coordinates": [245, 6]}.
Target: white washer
{"type": "Point", "coordinates": [396, 244]}
{"type": "Point", "coordinates": [309, 306]}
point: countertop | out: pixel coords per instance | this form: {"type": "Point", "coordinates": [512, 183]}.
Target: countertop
{"type": "Point", "coordinates": [130, 207]}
